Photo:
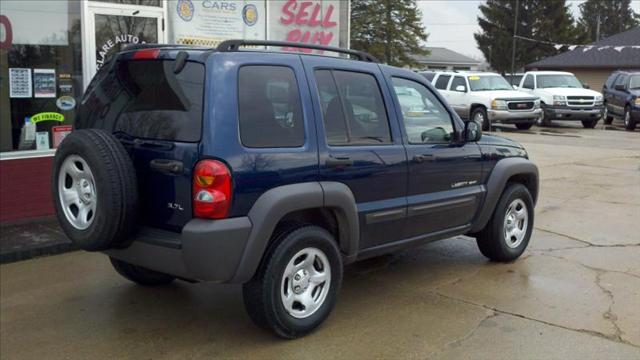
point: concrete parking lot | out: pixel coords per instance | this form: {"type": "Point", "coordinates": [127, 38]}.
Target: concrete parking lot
{"type": "Point", "coordinates": [574, 294]}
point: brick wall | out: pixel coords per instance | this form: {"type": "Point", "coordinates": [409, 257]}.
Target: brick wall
{"type": "Point", "coordinates": [25, 189]}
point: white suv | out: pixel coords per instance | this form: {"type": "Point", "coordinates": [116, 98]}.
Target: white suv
{"type": "Point", "coordinates": [563, 97]}
{"type": "Point", "coordinates": [487, 98]}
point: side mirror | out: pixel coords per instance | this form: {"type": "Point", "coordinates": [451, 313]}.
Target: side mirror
{"type": "Point", "coordinates": [586, 86]}
{"type": "Point", "coordinates": [619, 87]}
{"type": "Point", "coordinates": [461, 88]}
{"type": "Point", "coordinates": [472, 131]}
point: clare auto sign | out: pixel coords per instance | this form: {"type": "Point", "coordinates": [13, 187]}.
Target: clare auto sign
{"type": "Point", "coordinates": [311, 22]}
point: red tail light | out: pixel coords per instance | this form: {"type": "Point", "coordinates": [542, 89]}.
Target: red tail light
{"type": "Point", "coordinates": [211, 190]}
{"type": "Point", "coordinates": [146, 54]}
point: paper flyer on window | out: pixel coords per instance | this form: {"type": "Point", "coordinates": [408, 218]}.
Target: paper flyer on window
{"type": "Point", "coordinates": [44, 83]}
{"type": "Point", "coordinates": [19, 83]}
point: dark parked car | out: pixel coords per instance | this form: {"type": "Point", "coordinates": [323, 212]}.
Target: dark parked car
{"type": "Point", "coordinates": [429, 75]}
{"type": "Point", "coordinates": [274, 170]}
{"type": "Point", "coordinates": [622, 98]}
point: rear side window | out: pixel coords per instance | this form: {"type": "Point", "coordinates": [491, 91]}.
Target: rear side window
{"type": "Point", "coordinates": [353, 108]}
{"type": "Point", "coordinates": [528, 82]}
{"type": "Point", "coordinates": [146, 99]}
{"type": "Point", "coordinates": [270, 113]}
{"type": "Point", "coordinates": [442, 82]}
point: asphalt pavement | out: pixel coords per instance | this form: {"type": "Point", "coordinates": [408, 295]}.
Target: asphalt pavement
{"type": "Point", "coordinates": [574, 294]}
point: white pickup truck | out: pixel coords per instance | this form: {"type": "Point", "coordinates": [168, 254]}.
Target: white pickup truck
{"type": "Point", "coordinates": [563, 97]}
{"type": "Point", "coordinates": [487, 98]}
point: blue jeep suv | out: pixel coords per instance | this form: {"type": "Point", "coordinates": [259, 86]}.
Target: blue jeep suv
{"type": "Point", "coordinates": [622, 98]}
{"type": "Point", "coordinates": [275, 169]}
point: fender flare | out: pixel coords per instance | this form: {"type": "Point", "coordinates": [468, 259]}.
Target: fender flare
{"type": "Point", "coordinates": [339, 198]}
{"type": "Point", "coordinates": [274, 204]}
{"type": "Point", "coordinates": [502, 171]}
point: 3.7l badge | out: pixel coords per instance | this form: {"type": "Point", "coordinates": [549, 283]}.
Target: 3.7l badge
{"type": "Point", "coordinates": [175, 206]}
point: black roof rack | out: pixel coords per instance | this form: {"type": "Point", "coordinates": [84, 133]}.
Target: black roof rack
{"type": "Point", "coordinates": [129, 47]}
{"type": "Point", "coordinates": [234, 45]}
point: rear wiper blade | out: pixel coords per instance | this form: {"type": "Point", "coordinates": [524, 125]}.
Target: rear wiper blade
{"type": "Point", "coordinates": [132, 140]}
{"type": "Point", "coordinates": [123, 136]}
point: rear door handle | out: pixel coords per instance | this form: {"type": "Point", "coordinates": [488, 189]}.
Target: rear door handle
{"type": "Point", "coordinates": [423, 157]}
{"type": "Point", "coordinates": [339, 161]}
{"type": "Point", "coordinates": [167, 166]}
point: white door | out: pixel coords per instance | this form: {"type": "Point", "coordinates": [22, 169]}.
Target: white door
{"type": "Point", "coordinates": [109, 27]}
{"type": "Point", "coordinates": [458, 98]}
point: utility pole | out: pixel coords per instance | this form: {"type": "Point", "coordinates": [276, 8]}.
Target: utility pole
{"type": "Point", "coordinates": [598, 27]}
{"type": "Point", "coordinates": [513, 46]}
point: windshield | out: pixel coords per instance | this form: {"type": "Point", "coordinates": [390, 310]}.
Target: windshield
{"type": "Point", "coordinates": [485, 83]}
{"type": "Point", "coordinates": [634, 82]}
{"type": "Point", "coordinates": [558, 81]}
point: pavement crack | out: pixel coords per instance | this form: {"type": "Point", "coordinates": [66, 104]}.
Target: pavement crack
{"type": "Point", "coordinates": [589, 244]}
{"type": "Point", "coordinates": [609, 314]}
{"type": "Point", "coordinates": [612, 337]}
{"type": "Point", "coordinates": [592, 268]}
{"type": "Point", "coordinates": [467, 336]}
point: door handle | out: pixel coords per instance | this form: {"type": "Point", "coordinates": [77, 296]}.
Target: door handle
{"type": "Point", "coordinates": [423, 157]}
{"type": "Point", "coordinates": [167, 166]}
{"type": "Point", "coordinates": [338, 161]}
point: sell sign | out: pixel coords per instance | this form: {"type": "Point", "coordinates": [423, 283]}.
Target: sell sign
{"type": "Point", "coordinates": [309, 22]}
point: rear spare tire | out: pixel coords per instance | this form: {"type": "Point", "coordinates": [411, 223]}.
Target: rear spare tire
{"type": "Point", "coordinates": [94, 190]}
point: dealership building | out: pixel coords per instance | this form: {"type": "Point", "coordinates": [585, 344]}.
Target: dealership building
{"type": "Point", "coordinates": [50, 50]}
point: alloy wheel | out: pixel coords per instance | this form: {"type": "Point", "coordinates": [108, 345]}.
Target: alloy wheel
{"type": "Point", "coordinates": [516, 221]}
{"type": "Point", "coordinates": [305, 282]}
{"type": "Point", "coordinates": [77, 192]}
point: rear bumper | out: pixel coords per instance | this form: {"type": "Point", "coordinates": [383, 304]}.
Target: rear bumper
{"type": "Point", "coordinates": [207, 250]}
{"type": "Point", "coordinates": [514, 117]}
{"type": "Point", "coordinates": [572, 113]}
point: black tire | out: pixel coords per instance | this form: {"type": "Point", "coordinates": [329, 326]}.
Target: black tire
{"type": "Point", "coordinates": [544, 119]}
{"type": "Point", "coordinates": [524, 126]}
{"type": "Point", "coordinates": [608, 119]}
{"type": "Point", "coordinates": [114, 189]}
{"type": "Point", "coordinates": [589, 124]}
{"type": "Point", "coordinates": [481, 112]}
{"type": "Point", "coordinates": [629, 123]}
{"type": "Point", "coordinates": [262, 294]}
{"type": "Point", "coordinates": [140, 275]}
{"type": "Point", "coordinates": [491, 240]}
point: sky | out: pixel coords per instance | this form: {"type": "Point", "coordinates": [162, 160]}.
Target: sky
{"type": "Point", "coordinates": [451, 24]}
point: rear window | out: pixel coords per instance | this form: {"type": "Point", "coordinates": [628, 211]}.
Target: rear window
{"type": "Point", "coordinates": [146, 99]}
{"type": "Point", "coordinates": [442, 82]}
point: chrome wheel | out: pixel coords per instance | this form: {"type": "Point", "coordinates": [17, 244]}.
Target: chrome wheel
{"type": "Point", "coordinates": [516, 221]}
{"type": "Point", "coordinates": [77, 192]}
{"type": "Point", "coordinates": [479, 117]}
{"type": "Point", "coordinates": [627, 118]}
{"type": "Point", "coordinates": [305, 283]}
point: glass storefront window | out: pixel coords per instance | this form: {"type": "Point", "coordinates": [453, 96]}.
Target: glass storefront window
{"type": "Point", "coordinates": [114, 32]}
{"type": "Point", "coordinates": [40, 72]}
